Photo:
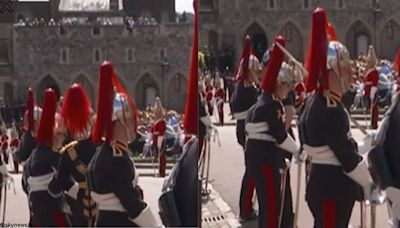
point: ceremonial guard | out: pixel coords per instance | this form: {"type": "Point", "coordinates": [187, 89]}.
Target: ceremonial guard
{"type": "Point", "coordinates": [111, 173]}
{"type": "Point", "coordinates": [337, 170]}
{"type": "Point", "coordinates": [371, 79]}
{"type": "Point", "coordinates": [184, 179]}
{"type": "Point", "coordinates": [4, 146]}
{"type": "Point", "coordinates": [204, 123]}
{"type": "Point", "coordinates": [209, 94]}
{"type": "Point", "coordinates": [159, 138]}
{"type": "Point", "coordinates": [46, 208]}
{"type": "Point", "coordinates": [243, 97]}
{"type": "Point", "coordinates": [266, 135]}
{"type": "Point", "coordinates": [14, 145]}
{"type": "Point", "coordinates": [31, 124]}
{"type": "Point", "coordinates": [75, 156]}
{"type": "Point", "coordinates": [219, 99]}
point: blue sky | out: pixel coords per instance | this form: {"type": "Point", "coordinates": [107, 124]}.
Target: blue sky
{"type": "Point", "coordinates": [181, 5]}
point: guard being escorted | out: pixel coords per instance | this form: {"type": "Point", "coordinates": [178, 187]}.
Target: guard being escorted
{"type": "Point", "coordinates": [243, 97]}
{"type": "Point", "coordinates": [111, 174]}
{"type": "Point", "coordinates": [337, 170]}
{"type": "Point", "coordinates": [46, 208]}
{"type": "Point", "coordinates": [76, 117]}
{"type": "Point", "coordinates": [266, 135]}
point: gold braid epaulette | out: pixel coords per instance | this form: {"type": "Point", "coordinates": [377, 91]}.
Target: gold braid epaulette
{"type": "Point", "coordinates": [70, 149]}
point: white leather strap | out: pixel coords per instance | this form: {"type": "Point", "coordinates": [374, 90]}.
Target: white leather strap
{"type": "Point", "coordinates": [39, 183]}
{"type": "Point", "coordinates": [107, 202]}
{"type": "Point", "coordinates": [321, 155]}
{"type": "Point", "coordinates": [257, 127]}
{"type": "Point", "coordinates": [240, 115]}
{"type": "Point", "coordinates": [261, 136]}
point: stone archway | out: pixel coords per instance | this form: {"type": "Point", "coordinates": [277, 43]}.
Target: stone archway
{"type": "Point", "coordinates": [389, 39]}
{"type": "Point", "coordinates": [87, 85]}
{"type": "Point", "coordinates": [146, 91]}
{"type": "Point", "coordinates": [358, 39]}
{"type": "Point", "coordinates": [294, 40]}
{"type": "Point", "coordinates": [45, 83]}
{"type": "Point", "coordinates": [177, 91]}
{"type": "Point", "coordinates": [260, 41]}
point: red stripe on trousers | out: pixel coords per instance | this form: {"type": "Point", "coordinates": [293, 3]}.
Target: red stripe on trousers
{"type": "Point", "coordinates": [272, 214]}
{"type": "Point", "coordinates": [248, 203]}
{"type": "Point", "coordinates": [329, 214]}
{"type": "Point", "coordinates": [59, 219]}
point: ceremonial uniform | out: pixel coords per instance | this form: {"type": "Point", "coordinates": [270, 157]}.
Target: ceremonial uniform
{"type": "Point", "coordinates": [371, 91]}
{"type": "Point", "coordinates": [202, 125]}
{"type": "Point", "coordinates": [337, 171]}
{"type": "Point", "coordinates": [14, 145]}
{"type": "Point", "coordinates": [4, 147]}
{"type": "Point", "coordinates": [209, 99]}
{"type": "Point", "coordinates": [159, 142]}
{"type": "Point", "coordinates": [265, 134]}
{"type": "Point", "coordinates": [300, 94]}
{"type": "Point", "coordinates": [242, 99]}
{"type": "Point", "coordinates": [111, 173]}
{"type": "Point", "coordinates": [219, 98]}
{"type": "Point", "coordinates": [46, 209]}
{"type": "Point", "coordinates": [74, 160]}
{"type": "Point", "coordinates": [325, 129]}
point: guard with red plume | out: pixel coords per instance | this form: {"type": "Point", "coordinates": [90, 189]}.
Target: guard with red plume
{"type": "Point", "coordinates": [111, 173]}
{"type": "Point", "coordinates": [317, 53]}
{"type": "Point", "coordinates": [243, 97]}
{"type": "Point", "coordinates": [267, 137]}
{"type": "Point", "coordinates": [40, 169]}
{"type": "Point", "coordinates": [76, 117]}
{"type": "Point", "coordinates": [339, 175]}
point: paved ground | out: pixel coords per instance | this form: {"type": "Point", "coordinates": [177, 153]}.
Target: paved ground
{"type": "Point", "coordinates": [227, 168]}
{"type": "Point", "coordinates": [17, 204]}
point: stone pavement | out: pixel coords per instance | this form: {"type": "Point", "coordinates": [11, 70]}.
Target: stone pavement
{"type": "Point", "coordinates": [17, 211]}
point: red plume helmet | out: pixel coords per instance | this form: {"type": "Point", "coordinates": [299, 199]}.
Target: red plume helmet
{"type": "Point", "coordinates": [47, 121]}
{"type": "Point", "coordinates": [191, 117]}
{"type": "Point", "coordinates": [75, 110]}
{"type": "Point", "coordinates": [29, 110]}
{"type": "Point", "coordinates": [331, 32]}
{"type": "Point", "coordinates": [242, 74]}
{"type": "Point", "coordinates": [316, 62]}
{"type": "Point", "coordinates": [103, 123]}
{"type": "Point", "coordinates": [274, 65]}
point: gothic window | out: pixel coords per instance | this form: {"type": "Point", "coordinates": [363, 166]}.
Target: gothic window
{"type": "Point", "coordinates": [64, 58]}
{"type": "Point", "coordinates": [390, 30]}
{"type": "Point", "coordinates": [306, 4]}
{"type": "Point", "coordinates": [97, 55]}
{"type": "Point", "coordinates": [4, 58]}
{"type": "Point", "coordinates": [129, 55]}
{"type": "Point", "coordinates": [271, 4]}
{"type": "Point", "coordinates": [340, 3]}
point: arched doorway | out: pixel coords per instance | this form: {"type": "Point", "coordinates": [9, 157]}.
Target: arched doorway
{"type": "Point", "coordinates": [294, 40]}
{"type": "Point", "coordinates": [146, 91]}
{"type": "Point", "coordinates": [177, 91]}
{"type": "Point", "coordinates": [85, 83]}
{"type": "Point", "coordinates": [389, 38]}
{"type": "Point", "coordinates": [358, 39]}
{"type": "Point", "coordinates": [260, 42]}
{"type": "Point", "coordinates": [47, 82]}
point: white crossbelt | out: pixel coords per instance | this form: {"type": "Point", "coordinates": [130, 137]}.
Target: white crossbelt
{"type": "Point", "coordinates": [321, 155]}
{"type": "Point", "coordinates": [256, 131]}
{"type": "Point", "coordinates": [240, 115]}
{"type": "Point", "coordinates": [39, 183]}
{"type": "Point", "coordinates": [257, 127]}
{"type": "Point", "coordinates": [261, 136]}
{"type": "Point", "coordinates": [107, 202]}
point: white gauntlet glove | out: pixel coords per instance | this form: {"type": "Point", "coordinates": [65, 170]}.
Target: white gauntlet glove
{"type": "Point", "coordinates": [361, 176]}
{"type": "Point", "coordinates": [73, 191]}
{"type": "Point", "coordinates": [146, 219]}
